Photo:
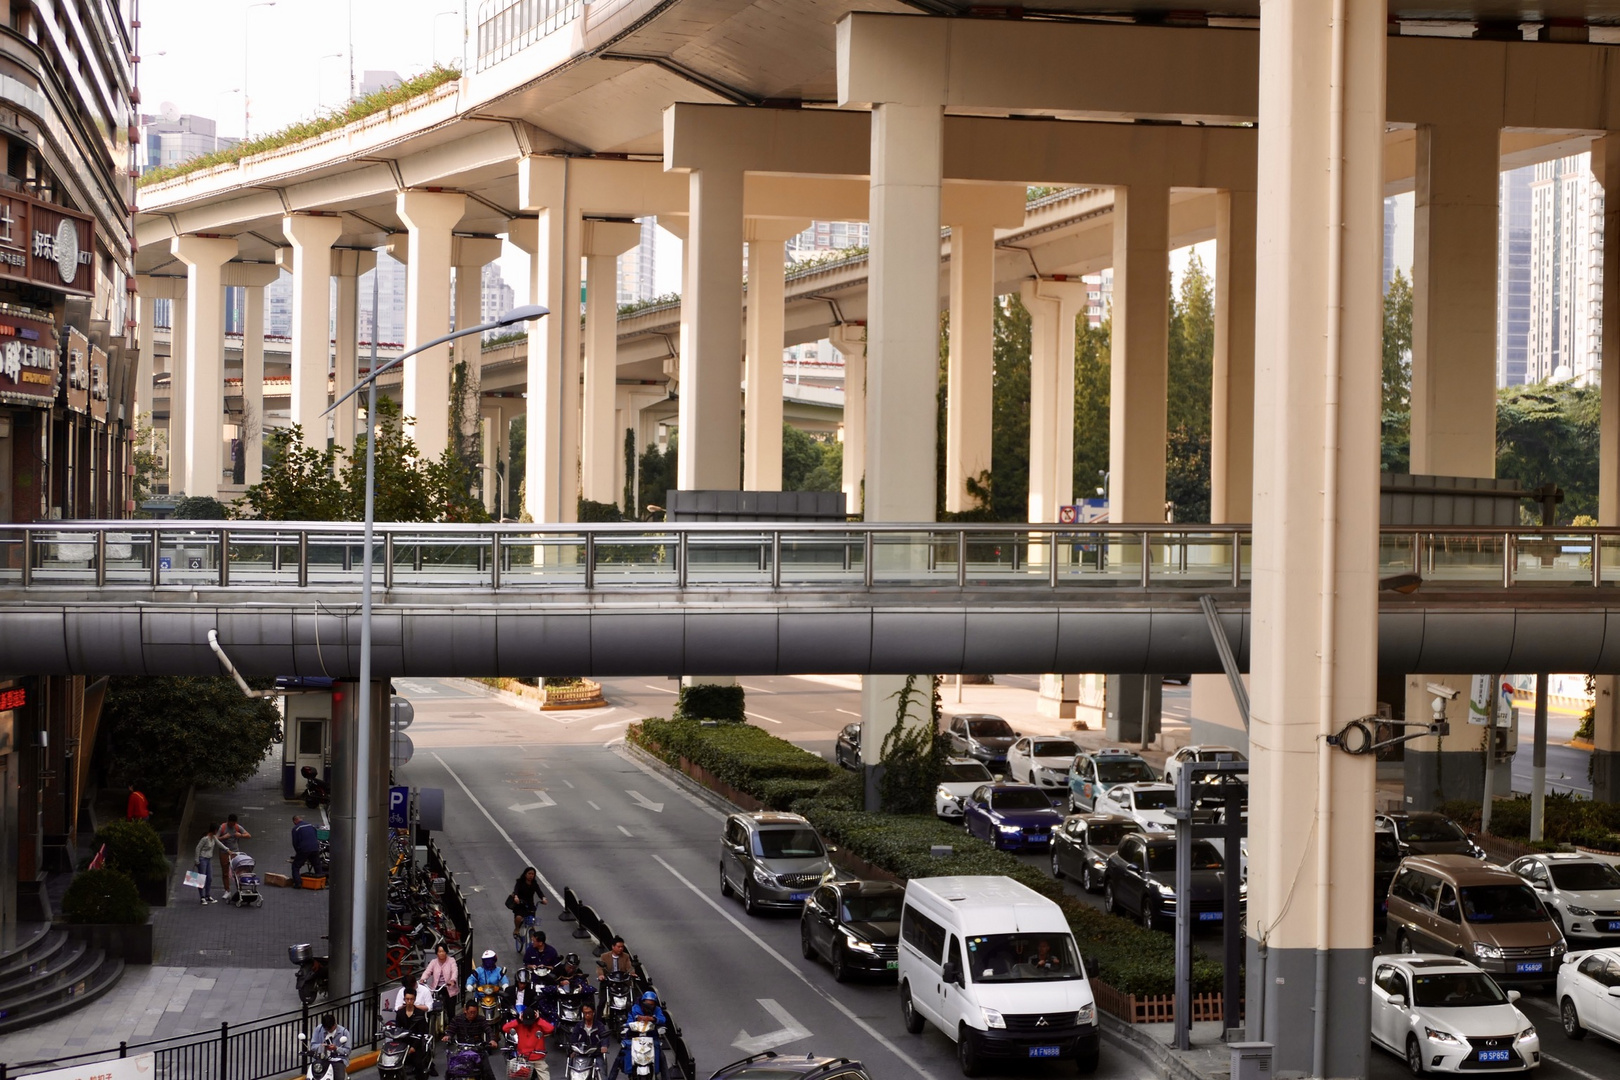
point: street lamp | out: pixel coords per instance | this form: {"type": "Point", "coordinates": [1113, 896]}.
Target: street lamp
{"type": "Point", "coordinates": [247, 53]}
{"type": "Point", "coordinates": [433, 53]}
{"type": "Point", "coordinates": [358, 930]}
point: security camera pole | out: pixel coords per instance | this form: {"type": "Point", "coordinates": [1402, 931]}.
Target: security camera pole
{"type": "Point", "coordinates": [349, 977]}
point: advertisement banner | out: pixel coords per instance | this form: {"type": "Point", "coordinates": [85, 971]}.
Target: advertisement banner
{"type": "Point", "coordinates": [45, 244]}
{"type": "Point", "coordinates": [76, 370]}
{"type": "Point", "coordinates": [29, 360]}
{"type": "Point", "coordinates": [131, 1068]}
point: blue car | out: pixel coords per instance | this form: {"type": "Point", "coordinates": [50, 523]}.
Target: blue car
{"type": "Point", "coordinates": [1014, 817]}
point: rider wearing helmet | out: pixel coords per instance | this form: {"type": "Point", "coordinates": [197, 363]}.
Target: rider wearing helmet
{"type": "Point", "coordinates": [488, 973]}
{"type": "Point", "coordinates": [532, 1029]}
{"type": "Point", "coordinates": [570, 970]}
{"type": "Point", "coordinates": [648, 1006]}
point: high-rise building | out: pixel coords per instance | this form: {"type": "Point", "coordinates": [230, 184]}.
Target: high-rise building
{"type": "Point", "coordinates": [497, 296]}
{"type": "Point", "coordinates": [372, 81]}
{"type": "Point", "coordinates": [1389, 242]}
{"type": "Point", "coordinates": [1566, 283]}
{"type": "Point", "coordinates": [1512, 276]}
{"type": "Point", "coordinates": [824, 236]}
{"type": "Point", "coordinates": [638, 267]}
{"type": "Point", "coordinates": [172, 137]}
{"type": "Point", "coordinates": [389, 320]}
{"type": "Point", "coordinates": [1099, 296]}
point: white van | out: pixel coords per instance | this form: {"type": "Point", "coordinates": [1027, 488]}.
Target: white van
{"type": "Point", "coordinates": [992, 964]}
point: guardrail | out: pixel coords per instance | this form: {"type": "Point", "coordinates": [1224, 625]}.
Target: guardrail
{"type": "Point", "coordinates": [517, 558]}
{"type": "Point", "coordinates": [455, 903]}
{"type": "Point", "coordinates": [510, 27]}
{"type": "Point", "coordinates": [267, 1047]}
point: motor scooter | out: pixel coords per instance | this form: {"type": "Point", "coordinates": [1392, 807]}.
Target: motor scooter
{"type": "Point", "coordinates": [393, 1058]}
{"type": "Point", "coordinates": [584, 1061]}
{"type": "Point", "coordinates": [311, 978]}
{"type": "Point", "coordinates": [323, 1062]}
{"type": "Point", "coordinates": [316, 790]}
{"type": "Point", "coordinates": [642, 1051]}
{"type": "Point", "coordinates": [618, 990]}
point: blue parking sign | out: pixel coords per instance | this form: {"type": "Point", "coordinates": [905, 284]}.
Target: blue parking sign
{"type": "Point", "coordinates": [399, 807]}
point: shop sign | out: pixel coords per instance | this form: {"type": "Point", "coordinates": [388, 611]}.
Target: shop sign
{"type": "Point", "coordinates": [98, 384]}
{"type": "Point", "coordinates": [29, 361]}
{"type": "Point", "coordinates": [45, 244]}
{"type": "Point", "coordinates": [77, 363]}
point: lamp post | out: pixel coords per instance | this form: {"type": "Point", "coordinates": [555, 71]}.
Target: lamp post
{"type": "Point", "coordinates": [433, 53]}
{"type": "Point", "coordinates": [358, 930]}
{"type": "Point", "coordinates": [247, 53]}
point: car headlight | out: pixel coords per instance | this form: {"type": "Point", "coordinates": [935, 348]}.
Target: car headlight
{"type": "Point", "coordinates": [1487, 952]}
{"type": "Point", "coordinates": [1163, 890]}
{"type": "Point", "coordinates": [1527, 1033]}
{"type": "Point", "coordinates": [1086, 1015]}
{"type": "Point", "coordinates": [763, 878]}
{"type": "Point", "coordinates": [857, 944]}
{"type": "Point", "coordinates": [992, 1019]}
{"type": "Point", "coordinates": [1588, 912]}
{"type": "Point", "coordinates": [1558, 949]}
{"type": "Point", "coordinates": [1010, 829]}
{"type": "Point", "coordinates": [941, 793]}
{"type": "Point", "coordinates": [1441, 1036]}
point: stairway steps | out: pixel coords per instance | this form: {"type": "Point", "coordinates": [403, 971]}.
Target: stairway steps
{"type": "Point", "coordinates": [64, 966]}
{"type": "Point", "coordinates": [21, 963]}
{"type": "Point", "coordinates": [30, 938]}
{"type": "Point", "coordinates": [92, 974]}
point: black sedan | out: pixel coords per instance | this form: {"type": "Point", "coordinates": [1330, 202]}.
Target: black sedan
{"type": "Point", "coordinates": [1081, 847]}
{"type": "Point", "coordinates": [847, 750]}
{"type": "Point", "coordinates": [855, 926]}
{"type": "Point", "coordinates": [1141, 882]}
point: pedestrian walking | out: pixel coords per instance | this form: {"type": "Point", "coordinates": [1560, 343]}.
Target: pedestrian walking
{"type": "Point", "coordinates": [205, 862]}
{"type": "Point", "coordinates": [306, 849]}
{"type": "Point", "coordinates": [136, 809]}
{"type": "Point", "coordinates": [230, 836]}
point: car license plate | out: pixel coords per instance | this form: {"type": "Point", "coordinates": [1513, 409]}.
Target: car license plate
{"type": "Point", "coordinates": [893, 965]}
{"type": "Point", "coordinates": [1611, 927]}
{"type": "Point", "coordinates": [1209, 916]}
{"type": "Point", "coordinates": [1044, 1051]}
{"type": "Point", "coordinates": [799, 897]}
{"type": "Point", "coordinates": [1526, 967]}
{"type": "Point", "coordinates": [1493, 1055]}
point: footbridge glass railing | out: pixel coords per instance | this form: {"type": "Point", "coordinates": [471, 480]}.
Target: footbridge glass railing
{"type": "Point", "coordinates": [507, 27]}
{"type": "Point", "coordinates": [281, 556]}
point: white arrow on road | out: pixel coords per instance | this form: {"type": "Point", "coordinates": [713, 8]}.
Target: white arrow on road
{"type": "Point", "coordinates": [415, 687]}
{"type": "Point", "coordinates": [642, 800]}
{"type": "Point", "coordinates": [545, 800]}
{"type": "Point", "coordinates": [791, 1031]}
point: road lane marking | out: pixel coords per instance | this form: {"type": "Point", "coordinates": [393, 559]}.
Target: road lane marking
{"type": "Point", "coordinates": [593, 806]}
{"type": "Point", "coordinates": [614, 723]}
{"type": "Point", "coordinates": [504, 834]}
{"type": "Point", "coordinates": [570, 783]}
{"type": "Point", "coordinates": [642, 800]}
{"type": "Point", "coordinates": [790, 1031]}
{"type": "Point", "coordinates": [756, 716]}
{"type": "Point", "coordinates": [626, 831]}
{"type": "Point", "coordinates": [662, 689]}
{"type": "Point", "coordinates": [545, 801]}
{"type": "Point", "coordinates": [881, 1039]}
{"type": "Point", "coordinates": [676, 788]}
{"type": "Point", "coordinates": [1564, 1064]}
{"type": "Point", "coordinates": [846, 712]}
{"type": "Point", "coordinates": [756, 689]}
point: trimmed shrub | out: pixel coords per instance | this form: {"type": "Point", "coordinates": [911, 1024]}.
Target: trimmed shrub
{"type": "Point", "coordinates": [706, 701]}
{"type": "Point", "coordinates": [740, 754]}
{"type": "Point", "coordinates": [1564, 819]}
{"type": "Point", "coordinates": [134, 848]}
{"type": "Point", "coordinates": [913, 752]}
{"type": "Point", "coordinates": [104, 896]}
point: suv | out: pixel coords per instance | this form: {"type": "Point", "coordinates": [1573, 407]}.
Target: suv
{"type": "Point", "coordinates": [772, 859]}
{"type": "Point", "coordinates": [1454, 906]}
{"type": "Point", "coordinates": [768, 1066]}
{"type": "Point", "coordinates": [982, 737]}
{"type": "Point", "coordinates": [1428, 833]}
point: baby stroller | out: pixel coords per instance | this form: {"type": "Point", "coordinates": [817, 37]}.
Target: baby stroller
{"type": "Point", "coordinates": [244, 882]}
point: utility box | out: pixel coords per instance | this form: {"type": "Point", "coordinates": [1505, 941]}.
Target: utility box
{"type": "Point", "coordinates": [1123, 707]}
{"type": "Point", "coordinates": [1251, 1060]}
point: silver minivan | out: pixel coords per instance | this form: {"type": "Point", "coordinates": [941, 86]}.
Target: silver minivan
{"type": "Point", "coordinates": [773, 860]}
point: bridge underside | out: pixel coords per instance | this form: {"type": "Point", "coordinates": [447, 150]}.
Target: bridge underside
{"type": "Point", "coordinates": [706, 632]}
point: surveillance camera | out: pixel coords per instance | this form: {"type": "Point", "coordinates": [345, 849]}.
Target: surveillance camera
{"type": "Point", "coordinates": [1442, 691]}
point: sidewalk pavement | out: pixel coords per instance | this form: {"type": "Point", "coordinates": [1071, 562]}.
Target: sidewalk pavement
{"type": "Point", "coordinates": [212, 965]}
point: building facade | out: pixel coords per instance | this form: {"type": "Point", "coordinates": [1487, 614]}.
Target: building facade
{"type": "Point", "coordinates": [1566, 282]}
{"type": "Point", "coordinates": [172, 138]}
{"type": "Point", "coordinates": [638, 267]}
{"type": "Point", "coordinates": [1513, 277]}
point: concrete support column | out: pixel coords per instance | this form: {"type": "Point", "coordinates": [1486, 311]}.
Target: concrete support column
{"type": "Point", "coordinates": [429, 216]}
{"type": "Point", "coordinates": [762, 411]}
{"type": "Point", "coordinates": [711, 334]}
{"type": "Point", "coordinates": [1140, 354]}
{"type": "Point", "coordinates": [601, 443]}
{"type": "Point", "coordinates": [179, 383]}
{"type": "Point", "coordinates": [470, 254]}
{"type": "Point", "coordinates": [1054, 307]}
{"type": "Point", "coordinates": [551, 454]}
{"type": "Point", "coordinates": [253, 384]}
{"type": "Point", "coordinates": [850, 341]}
{"type": "Point", "coordinates": [203, 434]}
{"type": "Point", "coordinates": [971, 363]}
{"type": "Point", "coordinates": [1454, 267]}
{"type": "Point", "coordinates": [1231, 480]}
{"type": "Point", "coordinates": [1606, 721]}
{"type": "Point", "coordinates": [348, 265]}
{"type": "Point", "coordinates": [492, 438]}
{"type": "Point", "coordinates": [1318, 340]}
{"type": "Point", "coordinates": [312, 238]}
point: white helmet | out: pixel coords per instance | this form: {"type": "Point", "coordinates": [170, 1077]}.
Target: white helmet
{"type": "Point", "coordinates": [489, 957]}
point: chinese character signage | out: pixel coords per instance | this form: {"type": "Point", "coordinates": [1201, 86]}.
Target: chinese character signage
{"type": "Point", "coordinates": [45, 244]}
{"type": "Point", "coordinates": [98, 384]}
{"type": "Point", "coordinates": [28, 360]}
{"type": "Point", "coordinates": [76, 363]}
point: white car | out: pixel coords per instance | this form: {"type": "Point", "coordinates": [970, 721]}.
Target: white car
{"type": "Point", "coordinates": [1148, 805]}
{"type": "Point", "coordinates": [1581, 893]}
{"type": "Point", "coordinates": [1201, 752]}
{"type": "Point", "coordinates": [1043, 760]}
{"type": "Point", "coordinates": [1442, 1014]}
{"type": "Point", "coordinates": [1589, 993]}
{"type": "Point", "coordinates": [961, 778]}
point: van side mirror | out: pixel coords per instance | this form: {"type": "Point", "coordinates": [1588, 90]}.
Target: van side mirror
{"type": "Point", "coordinates": [951, 972]}
{"type": "Point", "coordinates": [1397, 1001]}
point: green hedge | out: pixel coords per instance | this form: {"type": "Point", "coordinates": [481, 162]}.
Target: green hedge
{"type": "Point", "coordinates": [1565, 819]}
{"type": "Point", "coordinates": [135, 848]}
{"type": "Point", "coordinates": [104, 896]}
{"type": "Point", "coordinates": [770, 769]}
{"type": "Point", "coordinates": [708, 701]}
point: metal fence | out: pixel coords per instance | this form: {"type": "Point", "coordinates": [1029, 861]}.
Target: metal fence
{"type": "Point", "coordinates": [256, 1050]}
{"type": "Point", "coordinates": [455, 902]}
{"type": "Point", "coordinates": [508, 27]}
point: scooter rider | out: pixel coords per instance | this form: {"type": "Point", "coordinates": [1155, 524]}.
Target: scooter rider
{"type": "Point", "coordinates": [616, 960]}
{"type": "Point", "coordinates": [570, 970]}
{"type": "Point", "coordinates": [537, 953]}
{"type": "Point", "coordinates": [470, 1029]}
{"type": "Point", "coordinates": [331, 1039]}
{"type": "Point", "coordinates": [412, 1022]}
{"type": "Point", "coordinates": [488, 973]}
{"type": "Point", "coordinates": [532, 1029]}
{"type": "Point", "coordinates": [647, 1006]}
{"type": "Point", "coordinates": [527, 895]}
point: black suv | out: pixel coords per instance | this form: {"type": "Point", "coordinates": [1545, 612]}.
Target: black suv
{"type": "Point", "coordinates": [768, 1066]}
{"type": "Point", "coordinates": [847, 750]}
{"type": "Point", "coordinates": [855, 925]}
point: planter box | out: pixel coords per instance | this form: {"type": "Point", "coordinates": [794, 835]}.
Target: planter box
{"type": "Point", "coordinates": [132, 944]}
{"type": "Point", "coordinates": [1610, 857]}
{"type": "Point", "coordinates": [155, 893]}
{"type": "Point", "coordinates": [1154, 1008]}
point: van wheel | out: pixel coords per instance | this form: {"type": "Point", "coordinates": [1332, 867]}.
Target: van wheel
{"type": "Point", "coordinates": [749, 904]}
{"type": "Point", "coordinates": [1404, 943]}
{"type": "Point", "coordinates": [1571, 1020]}
{"type": "Point", "coordinates": [1085, 1059]}
{"type": "Point", "coordinates": [725, 886]}
{"type": "Point", "coordinates": [1414, 1056]}
{"type": "Point", "coordinates": [908, 1012]}
{"type": "Point", "coordinates": [967, 1052]}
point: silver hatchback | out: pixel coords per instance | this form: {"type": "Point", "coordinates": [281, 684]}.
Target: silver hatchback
{"type": "Point", "coordinates": [773, 860]}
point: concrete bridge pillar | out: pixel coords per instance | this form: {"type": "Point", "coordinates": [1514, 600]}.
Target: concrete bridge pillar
{"type": "Point", "coordinates": [601, 443]}
{"type": "Point", "coordinates": [429, 217]}
{"type": "Point", "coordinates": [1318, 341]}
{"type": "Point", "coordinates": [253, 279]}
{"type": "Point", "coordinates": [149, 291]}
{"type": "Point", "coordinates": [1054, 307]}
{"type": "Point", "coordinates": [203, 433]}
{"type": "Point", "coordinates": [1140, 349]}
{"type": "Point", "coordinates": [762, 410]}
{"type": "Point", "coordinates": [711, 334]}
{"type": "Point", "coordinates": [312, 238]}
{"type": "Point", "coordinates": [179, 383]}
{"type": "Point", "coordinates": [1606, 719]}
{"type": "Point", "coordinates": [493, 435]}
{"type": "Point", "coordinates": [850, 341]}
{"type": "Point", "coordinates": [347, 266]}
{"type": "Point", "coordinates": [971, 363]}
{"type": "Point", "coordinates": [469, 254]}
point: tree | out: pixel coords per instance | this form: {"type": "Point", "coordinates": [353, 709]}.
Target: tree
{"type": "Point", "coordinates": [170, 732]}
{"type": "Point", "coordinates": [1548, 434]}
{"type": "Point", "coordinates": [200, 508]}
{"type": "Point", "coordinates": [828, 475]}
{"type": "Point", "coordinates": [1191, 373]}
{"type": "Point", "coordinates": [1396, 437]}
{"type": "Point", "coordinates": [1092, 387]}
{"type": "Point", "coordinates": [659, 471]}
{"type": "Point", "coordinates": [517, 456]}
{"type": "Point", "coordinates": [298, 482]}
{"type": "Point", "coordinates": [1186, 474]}
{"type": "Point", "coordinates": [1009, 422]}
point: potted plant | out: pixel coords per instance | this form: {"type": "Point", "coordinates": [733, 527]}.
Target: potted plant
{"type": "Point", "coordinates": [135, 848]}
{"type": "Point", "coordinates": [104, 909]}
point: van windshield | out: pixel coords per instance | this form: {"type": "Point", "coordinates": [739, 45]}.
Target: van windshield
{"type": "Point", "coordinates": [787, 844]}
{"type": "Point", "coordinates": [1003, 958]}
{"type": "Point", "coordinates": [1501, 904]}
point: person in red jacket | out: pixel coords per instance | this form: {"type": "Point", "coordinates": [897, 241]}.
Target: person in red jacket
{"type": "Point", "coordinates": [532, 1029]}
{"type": "Point", "coordinates": [137, 809]}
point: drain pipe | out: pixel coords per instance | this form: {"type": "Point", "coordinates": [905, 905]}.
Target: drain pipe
{"type": "Point", "coordinates": [248, 691]}
{"type": "Point", "coordinates": [1330, 538]}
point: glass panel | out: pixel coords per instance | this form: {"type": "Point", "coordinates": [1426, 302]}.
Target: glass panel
{"type": "Point", "coordinates": [1542, 559]}
{"type": "Point", "coordinates": [263, 558]}
{"type": "Point", "coordinates": [1395, 554]}
{"type": "Point", "coordinates": [432, 560]}
{"type": "Point", "coordinates": [1609, 559]}
{"type": "Point", "coordinates": [1101, 558]}
{"type": "Point", "coordinates": [742, 558]}
{"type": "Point", "coordinates": [64, 557]}
{"type": "Point", "coordinates": [823, 558]}
{"type": "Point", "coordinates": [1246, 554]}
{"type": "Point", "coordinates": [129, 558]}
{"type": "Point", "coordinates": [1191, 559]}
{"type": "Point", "coordinates": [1463, 558]}
{"type": "Point", "coordinates": [908, 558]}
{"type": "Point", "coordinates": [637, 558]}
{"type": "Point", "coordinates": [11, 555]}
{"type": "Point", "coordinates": [1005, 558]}
{"type": "Point", "coordinates": [335, 558]}
{"type": "Point", "coordinates": [188, 557]}
{"type": "Point", "coordinates": [533, 559]}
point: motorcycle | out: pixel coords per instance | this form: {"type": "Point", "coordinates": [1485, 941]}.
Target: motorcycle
{"type": "Point", "coordinates": [488, 996]}
{"type": "Point", "coordinates": [311, 978]}
{"type": "Point", "coordinates": [617, 992]}
{"type": "Point", "coordinates": [642, 1050]}
{"type": "Point", "coordinates": [323, 1063]}
{"type": "Point", "coordinates": [568, 1000]}
{"type": "Point", "coordinates": [464, 1061]}
{"type": "Point", "coordinates": [394, 1058]}
{"type": "Point", "coordinates": [316, 790]}
{"type": "Point", "coordinates": [584, 1061]}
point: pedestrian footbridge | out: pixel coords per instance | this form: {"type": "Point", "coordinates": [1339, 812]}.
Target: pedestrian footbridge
{"type": "Point", "coordinates": [739, 599]}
